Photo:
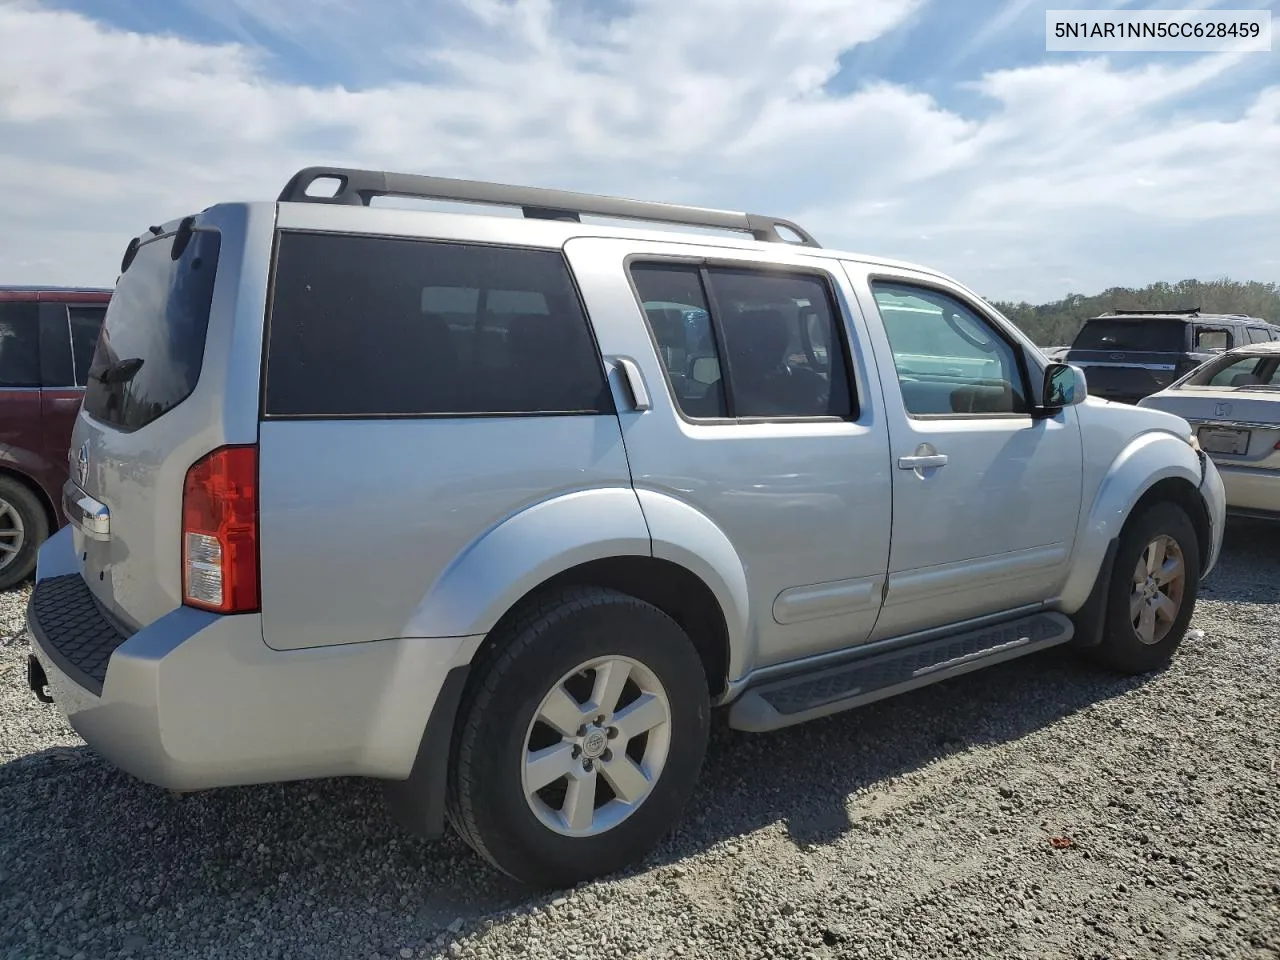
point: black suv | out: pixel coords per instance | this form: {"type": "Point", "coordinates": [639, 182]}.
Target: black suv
{"type": "Point", "coordinates": [1131, 354]}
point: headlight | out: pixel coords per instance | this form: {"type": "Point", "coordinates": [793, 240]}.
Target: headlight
{"type": "Point", "coordinates": [1194, 441]}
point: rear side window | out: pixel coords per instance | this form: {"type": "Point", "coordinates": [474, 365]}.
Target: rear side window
{"type": "Point", "coordinates": [1258, 335]}
{"type": "Point", "coordinates": [86, 326]}
{"type": "Point", "coordinates": [19, 345]}
{"type": "Point", "coordinates": [1213, 339]}
{"type": "Point", "coordinates": [148, 358]}
{"type": "Point", "coordinates": [746, 343]}
{"type": "Point", "coordinates": [378, 327]}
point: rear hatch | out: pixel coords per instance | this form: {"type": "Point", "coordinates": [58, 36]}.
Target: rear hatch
{"type": "Point", "coordinates": [152, 407]}
{"type": "Point", "coordinates": [1130, 358]}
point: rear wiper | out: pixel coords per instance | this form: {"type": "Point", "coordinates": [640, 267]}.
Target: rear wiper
{"type": "Point", "coordinates": [122, 371]}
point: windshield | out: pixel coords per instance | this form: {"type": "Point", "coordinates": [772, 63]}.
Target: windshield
{"type": "Point", "coordinates": [1250, 372]}
{"type": "Point", "coordinates": [1146, 335]}
{"type": "Point", "coordinates": [151, 348]}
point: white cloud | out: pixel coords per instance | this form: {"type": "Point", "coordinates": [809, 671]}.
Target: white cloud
{"type": "Point", "coordinates": [719, 103]}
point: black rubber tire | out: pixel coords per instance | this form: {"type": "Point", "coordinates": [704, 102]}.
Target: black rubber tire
{"type": "Point", "coordinates": [35, 524]}
{"type": "Point", "coordinates": [1121, 649]}
{"type": "Point", "coordinates": [542, 642]}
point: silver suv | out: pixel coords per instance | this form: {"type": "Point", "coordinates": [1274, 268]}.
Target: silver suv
{"type": "Point", "coordinates": [497, 509]}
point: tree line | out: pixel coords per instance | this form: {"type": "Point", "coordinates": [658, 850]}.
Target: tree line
{"type": "Point", "coordinates": [1056, 324]}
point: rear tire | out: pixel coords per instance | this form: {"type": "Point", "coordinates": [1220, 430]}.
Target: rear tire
{"type": "Point", "coordinates": [1153, 590]}
{"type": "Point", "coordinates": [23, 527]}
{"type": "Point", "coordinates": [608, 741]}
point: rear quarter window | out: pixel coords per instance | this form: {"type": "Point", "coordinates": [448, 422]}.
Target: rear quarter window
{"type": "Point", "coordinates": [156, 322]}
{"type": "Point", "coordinates": [366, 326]}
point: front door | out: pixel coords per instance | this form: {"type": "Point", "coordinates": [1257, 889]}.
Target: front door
{"type": "Point", "coordinates": [986, 498]}
{"type": "Point", "coordinates": [761, 420]}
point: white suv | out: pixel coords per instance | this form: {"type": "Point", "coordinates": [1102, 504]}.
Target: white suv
{"type": "Point", "coordinates": [498, 509]}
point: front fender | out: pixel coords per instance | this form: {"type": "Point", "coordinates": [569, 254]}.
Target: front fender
{"type": "Point", "coordinates": [524, 550]}
{"type": "Point", "coordinates": [1145, 461]}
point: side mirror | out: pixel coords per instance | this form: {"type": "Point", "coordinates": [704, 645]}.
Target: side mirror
{"type": "Point", "coordinates": [1064, 386]}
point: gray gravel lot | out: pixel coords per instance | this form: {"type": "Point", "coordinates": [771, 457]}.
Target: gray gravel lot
{"type": "Point", "coordinates": [1036, 809]}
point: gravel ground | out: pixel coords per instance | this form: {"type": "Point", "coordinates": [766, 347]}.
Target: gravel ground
{"type": "Point", "coordinates": [1036, 809]}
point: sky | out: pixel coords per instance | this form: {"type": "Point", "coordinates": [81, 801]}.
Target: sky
{"type": "Point", "coordinates": [935, 131]}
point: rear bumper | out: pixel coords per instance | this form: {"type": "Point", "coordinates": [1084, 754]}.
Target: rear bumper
{"type": "Point", "coordinates": [196, 700]}
{"type": "Point", "coordinates": [1251, 491]}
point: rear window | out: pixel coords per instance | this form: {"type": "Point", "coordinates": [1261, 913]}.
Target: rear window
{"type": "Point", "coordinates": [148, 357]}
{"type": "Point", "coordinates": [1155, 336]}
{"type": "Point", "coordinates": [379, 327]}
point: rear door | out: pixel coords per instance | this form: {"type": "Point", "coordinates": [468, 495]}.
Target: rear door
{"type": "Point", "coordinates": [157, 398]}
{"type": "Point", "coordinates": [1127, 358]}
{"type": "Point", "coordinates": [764, 416]}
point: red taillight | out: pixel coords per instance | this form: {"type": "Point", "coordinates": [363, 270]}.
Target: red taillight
{"type": "Point", "coordinates": [220, 531]}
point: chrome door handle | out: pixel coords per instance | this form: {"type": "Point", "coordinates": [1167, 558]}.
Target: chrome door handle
{"type": "Point", "coordinates": [635, 383]}
{"type": "Point", "coordinates": [922, 462]}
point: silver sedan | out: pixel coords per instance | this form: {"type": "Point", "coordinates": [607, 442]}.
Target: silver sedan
{"type": "Point", "coordinates": [1233, 404]}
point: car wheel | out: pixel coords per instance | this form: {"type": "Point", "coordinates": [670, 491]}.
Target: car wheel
{"type": "Point", "coordinates": [580, 739]}
{"type": "Point", "coordinates": [1153, 590]}
{"type": "Point", "coordinates": [23, 527]}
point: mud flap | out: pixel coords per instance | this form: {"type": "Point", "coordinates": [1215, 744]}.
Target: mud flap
{"type": "Point", "coordinates": [1089, 620]}
{"type": "Point", "coordinates": [36, 679]}
{"type": "Point", "coordinates": [417, 804]}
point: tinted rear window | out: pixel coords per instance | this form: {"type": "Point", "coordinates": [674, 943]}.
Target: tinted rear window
{"type": "Point", "coordinates": [374, 326]}
{"type": "Point", "coordinates": [159, 315]}
{"type": "Point", "coordinates": [19, 345]}
{"type": "Point", "coordinates": [1162, 336]}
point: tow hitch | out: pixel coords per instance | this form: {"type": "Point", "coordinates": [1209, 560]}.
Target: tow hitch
{"type": "Point", "coordinates": [36, 679]}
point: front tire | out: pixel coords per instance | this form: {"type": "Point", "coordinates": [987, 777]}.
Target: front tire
{"type": "Point", "coordinates": [1153, 590]}
{"type": "Point", "coordinates": [580, 739]}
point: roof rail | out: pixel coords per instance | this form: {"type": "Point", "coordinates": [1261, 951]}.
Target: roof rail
{"type": "Point", "coordinates": [359, 187]}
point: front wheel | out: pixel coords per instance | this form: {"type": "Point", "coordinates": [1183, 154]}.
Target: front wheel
{"type": "Point", "coordinates": [1153, 590]}
{"type": "Point", "coordinates": [582, 738]}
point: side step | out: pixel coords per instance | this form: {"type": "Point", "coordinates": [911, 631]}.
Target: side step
{"type": "Point", "coordinates": [831, 689]}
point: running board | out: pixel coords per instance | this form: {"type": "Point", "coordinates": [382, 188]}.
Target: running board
{"type": "Point", "coordinates": [825, 690]}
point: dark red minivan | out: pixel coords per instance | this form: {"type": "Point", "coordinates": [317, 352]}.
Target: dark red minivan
{"type": "Point", "coordinates": [47, 336]}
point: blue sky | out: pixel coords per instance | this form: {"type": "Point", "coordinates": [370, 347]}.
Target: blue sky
{"type": "Point", "coordinates": [932, 130]}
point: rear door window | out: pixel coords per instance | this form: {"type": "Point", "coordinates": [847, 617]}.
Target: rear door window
{"type": "Point", "coordinates": [366, 326]}
{"type": "Point", "coordinates": [746, 343]}
{"type": "Point", "coordinates": [19, 344]}
{"type": "Point", "coordinates": [148, 357]}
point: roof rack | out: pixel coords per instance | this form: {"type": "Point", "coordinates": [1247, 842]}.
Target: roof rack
{"type": "Point", "coordinates": [359, 187]}
{"type": "Point", "coordinates": [1189, 312]}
